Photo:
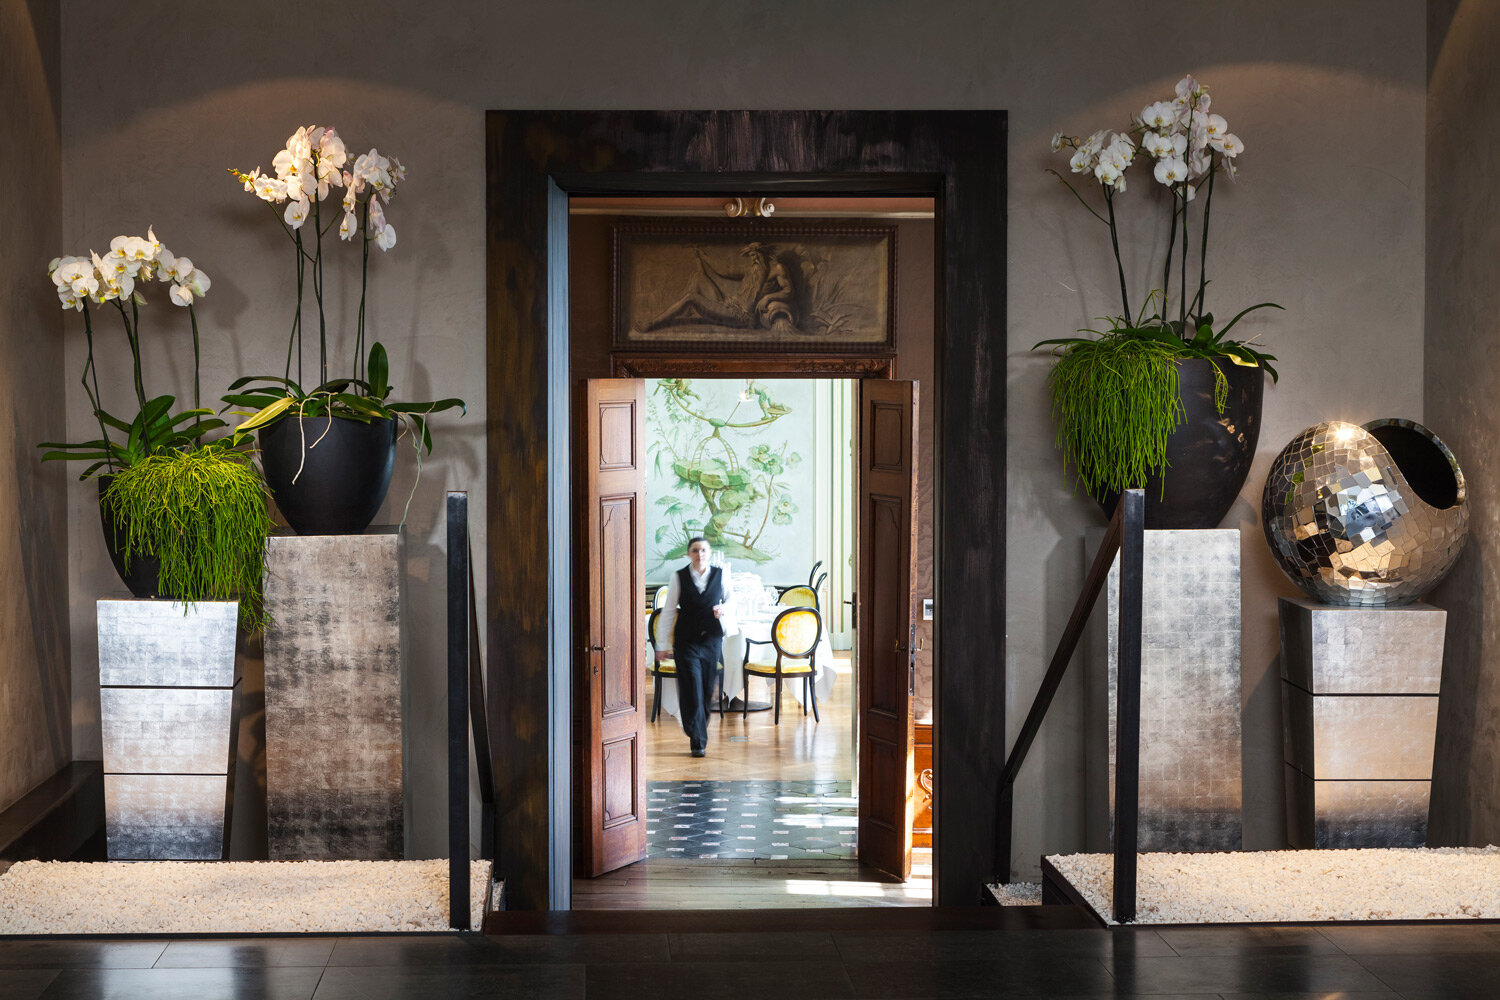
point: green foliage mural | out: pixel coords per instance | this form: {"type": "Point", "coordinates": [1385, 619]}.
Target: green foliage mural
{"type": "Point", "coordinates": [717, 470]}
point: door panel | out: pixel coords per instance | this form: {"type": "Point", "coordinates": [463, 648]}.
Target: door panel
{"type": "Point", "coordinates": [887, 557]}
{"type": "Point", "coordinates": [612, 774]}
{"type": "Point", "coordinates": [620, 517]}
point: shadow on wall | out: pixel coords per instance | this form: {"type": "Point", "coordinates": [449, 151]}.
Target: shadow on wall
{"type": "Point", "coordinates": [1450, 816]}
{"type": "Point", "coordinates": [40, 503]}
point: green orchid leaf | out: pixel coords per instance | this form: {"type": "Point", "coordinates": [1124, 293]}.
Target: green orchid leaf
{"type": "Point", "coordinates": [242, 382]}
{"type": "Point", "coordinates": [73, 456]}
{"type": "Point", "coordinates": [362, 405]}
{"type": "Point", "coordinates": [378, 371]}
{"type": "Point", "coordinates": [267, 415]}
{"type": "Point", "coordinates": [1248, 309]}
{"type": "Point", "coordinates": [254, 400]}
{"type": "Point", "coordinates": [436, 406]}
{"type": "Point", "coordinates": [114, 422]}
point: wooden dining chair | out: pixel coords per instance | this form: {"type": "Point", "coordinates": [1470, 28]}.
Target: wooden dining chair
{"type": "Point", "coordinates": [658, 668]}
{"type": "Point", "coordinates": [668, 668]}
{"type": "Point", "coordinates": [793, 655]}
{"type": "Point", "coordinates": [659, 599]}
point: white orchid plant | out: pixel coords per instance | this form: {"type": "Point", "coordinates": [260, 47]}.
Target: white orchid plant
{"type": "Point", "coordinates": [116, 280]}
{"type": "Point", "coordinates": [1115, 395]}
{"type": "Point", "coordinates": [313, 164]}
{"type": "Point", "coordinates": [1190, 147]}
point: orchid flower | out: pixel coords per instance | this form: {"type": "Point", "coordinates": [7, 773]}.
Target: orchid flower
{"type": "Point", "coordinates": [314, 160]}
{"type": "Point", "coordinates": [296, 213]}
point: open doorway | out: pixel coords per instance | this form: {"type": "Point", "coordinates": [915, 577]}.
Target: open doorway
{"type": "Point", "coordinates": [762, 469]}
{"type": "Point", "coordinates": [758, 454]}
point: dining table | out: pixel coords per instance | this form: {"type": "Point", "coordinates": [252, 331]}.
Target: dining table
{"type": "Point", "coordinates": [761, 690]}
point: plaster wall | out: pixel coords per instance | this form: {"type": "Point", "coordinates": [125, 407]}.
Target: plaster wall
{"type": "Point", "coordinates": [1462, 365]}
{"type": "Point", "coordinates": [35, 729]}
{"type": "Point", "coordinates": [1327, 221]}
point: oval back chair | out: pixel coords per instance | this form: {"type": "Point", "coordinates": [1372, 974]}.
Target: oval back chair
{"type": "Point", "coordinates": [794, 654]}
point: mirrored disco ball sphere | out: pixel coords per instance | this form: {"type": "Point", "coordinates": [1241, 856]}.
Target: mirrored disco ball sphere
{"type": "Point", "coordinates": [1367, 516]}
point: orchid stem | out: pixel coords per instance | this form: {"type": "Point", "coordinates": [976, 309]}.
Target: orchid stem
{"type": "Point", "coordinates": [1114, 240]}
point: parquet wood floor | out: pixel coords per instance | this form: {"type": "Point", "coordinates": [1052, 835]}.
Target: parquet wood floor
{"type": "Point", "coordinates": [755, 748]}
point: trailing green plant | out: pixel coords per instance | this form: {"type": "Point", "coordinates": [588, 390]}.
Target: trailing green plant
{"type": "Point", "coordinates": [202, 514]}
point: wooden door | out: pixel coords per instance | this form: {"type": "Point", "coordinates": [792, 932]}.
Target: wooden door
{"type": "Point", "coordinates": [887, 557]}
{"type": "Point", "coordinates": [610, 690]}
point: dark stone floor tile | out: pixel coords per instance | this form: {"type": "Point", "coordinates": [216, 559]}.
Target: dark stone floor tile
{"type": "Point", "coordinates": [563, 949]}
{"type": "Point", "coordinates": [183, 984]}
{"type": "Point", "coordinates": [515, 982]}
{"type": "Point", "coordinates": [47, 953]}
{"type": "Point", "coordinates": [988, 945]}
{"type": "Point", "coordinates": [754, 946]}
{"type": "Point", "coordinates": [1203, 941]}
{"type": "Point", "coordinates": [241, 952]}
{"type": "Point", "coordinates": [1322, 995]}
{"type": "Point", "coordinates": [25, 984]}
{"type": "Point", "coordinates": [1018, 975]}
{"type": "Point", "coordinates": [1246, 972]}
{"type": "Point", "coordinates": [1455, 976]}
{"type": "Point", "coordinates": [764, 980]}
{"type": "Point", "coordinates": [1405, 939]}
{"type": "Point", "coordinates": [404, 950]}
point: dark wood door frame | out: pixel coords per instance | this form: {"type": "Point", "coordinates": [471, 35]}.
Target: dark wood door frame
{"type": "Point", "coordinates": [536, 160]}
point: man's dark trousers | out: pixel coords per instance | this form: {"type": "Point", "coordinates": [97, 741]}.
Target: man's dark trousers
{"type": "Point", "coordinates": [697, 670]}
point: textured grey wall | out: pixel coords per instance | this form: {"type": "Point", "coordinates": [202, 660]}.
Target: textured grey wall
{"type": "Point", "coordinates": [1462, 365]}
{"type": "Point", "coordinates": [35, 732]}
{"type": "Point", "coordinates": [1326, 220]}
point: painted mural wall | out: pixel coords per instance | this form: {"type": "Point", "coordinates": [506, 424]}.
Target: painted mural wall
{"type": "Point", "coordinates": [732, 460]}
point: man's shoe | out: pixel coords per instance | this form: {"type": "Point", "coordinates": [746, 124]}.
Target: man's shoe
{"type": "Point", "coordinates": [700, 753]}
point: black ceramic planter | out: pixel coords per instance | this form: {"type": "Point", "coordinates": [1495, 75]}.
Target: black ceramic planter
{"type": "Point", "coordinates": [141, 578]}
{"type": "Point", "coordinates": [1209, 454]}
{"type": "Point", "coordinates": [328, 480]}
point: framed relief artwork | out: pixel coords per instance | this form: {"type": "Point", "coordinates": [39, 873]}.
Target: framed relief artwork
{"type": "Point", "coordinates": [736, 285]}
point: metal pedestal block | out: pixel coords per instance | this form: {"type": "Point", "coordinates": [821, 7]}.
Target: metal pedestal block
{"type": "Point", "coordinates": [169, 714]}
{"type": "Point", "coordinates": [334, 754]}
{"type": "Point", "coordinates": [1359, 708]}
{"type": "Point", "coordinates": [1190, 690]}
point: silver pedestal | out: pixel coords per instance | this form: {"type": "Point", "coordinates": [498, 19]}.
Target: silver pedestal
{"type": "Point", "coordinates": [1190, 691]}
{"type": "Point", "coordinates": [334, 755]}
{"type": "Point", "coordinates": [1359, 710]}
{"type": "Point", "coordinates": [168, 712]}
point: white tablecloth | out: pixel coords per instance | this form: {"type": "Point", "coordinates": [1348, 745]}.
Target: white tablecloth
{"type": "Point", "coordinates": [762, 690]}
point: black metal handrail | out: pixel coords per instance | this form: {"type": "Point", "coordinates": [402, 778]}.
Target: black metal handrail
{"type": "Point", "coordinates": [467, 717]}
{"type": "Point", "coordinates": [1126, 536]}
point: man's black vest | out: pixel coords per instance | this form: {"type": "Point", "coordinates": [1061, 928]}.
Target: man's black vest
{"type": "Point", "coordinates": [695, 612]}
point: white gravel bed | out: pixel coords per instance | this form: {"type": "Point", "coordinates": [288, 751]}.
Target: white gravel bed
{"type": "Point", "coordinates": [1447, 883]}
{"type": "Point", "coordinates": [1016, 893]}
{"type": "Point", "coordinates": [231, 897]}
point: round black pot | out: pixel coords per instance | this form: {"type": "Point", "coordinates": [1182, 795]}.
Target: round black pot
{"type": "Point", "coordinates": [141, 578]}
{"type": "Point", "coordinates": [1209, 454]}
{"type": "Point", "coordinates": [341, 467]}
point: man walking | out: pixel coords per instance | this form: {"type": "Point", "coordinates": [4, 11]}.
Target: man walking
{"type": "Point", "coordinates": [693, 621]}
